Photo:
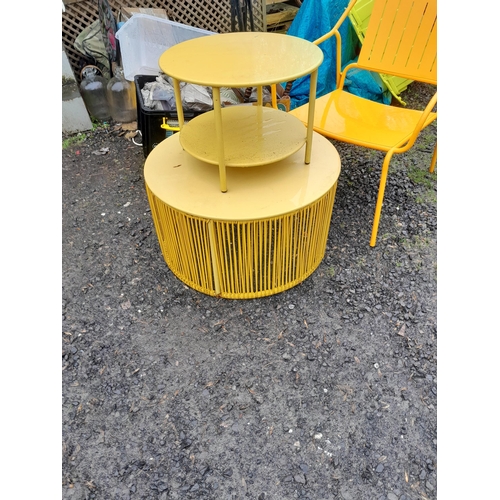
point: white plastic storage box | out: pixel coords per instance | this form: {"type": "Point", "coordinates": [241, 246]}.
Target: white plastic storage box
{"type": "Point", "coordinates": [144, 38]}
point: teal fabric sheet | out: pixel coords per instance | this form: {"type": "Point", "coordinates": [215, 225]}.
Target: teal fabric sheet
{"type": "Point", "coordinates": [313, 20]}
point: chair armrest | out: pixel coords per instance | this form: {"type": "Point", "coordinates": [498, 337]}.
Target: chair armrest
{"type": "Point", "coordinates": [335, 32]}
{"type": "Point", "coordinates": [421, 124]}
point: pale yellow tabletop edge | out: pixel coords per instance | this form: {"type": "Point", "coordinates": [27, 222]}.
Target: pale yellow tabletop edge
{"type": "Point", "coordinates": [205, 200]}
{"type": "Point", "coordinates": [173, 62]}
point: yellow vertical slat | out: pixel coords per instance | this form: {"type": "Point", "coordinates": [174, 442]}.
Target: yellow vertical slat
{"type": "Point", "coordinates": [408, 38]}
{"type": "Point", "coordinates": [425, 39]}
{"type": "Point", "coordinates": [240, 258]}
{"type": "Point", "coordinates": [213, 253]}
{"type": "Point", "coordinates": [398, 29]}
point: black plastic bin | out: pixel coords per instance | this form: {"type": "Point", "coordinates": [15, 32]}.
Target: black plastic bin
{"type": "Point", "coordinates": [149, 121]}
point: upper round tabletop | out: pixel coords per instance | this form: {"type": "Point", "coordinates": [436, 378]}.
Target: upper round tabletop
{"type": "Point", "coordinates": [241, 59]}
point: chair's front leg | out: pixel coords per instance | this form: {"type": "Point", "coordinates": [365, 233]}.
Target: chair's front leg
{"type": "Point", "coordinates": [380, 197]}
{"type": "Point", "coordinates": [434, 158]}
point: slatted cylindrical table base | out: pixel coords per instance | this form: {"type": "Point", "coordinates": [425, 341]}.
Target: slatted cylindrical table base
{"type": "Point", "coordinates": [243, 259]}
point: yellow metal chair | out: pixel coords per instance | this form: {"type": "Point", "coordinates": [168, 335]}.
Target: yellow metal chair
{"type": "Point", "coordinates": [401, 40]}
{"type": "Point", "coordinates": [360, 17]}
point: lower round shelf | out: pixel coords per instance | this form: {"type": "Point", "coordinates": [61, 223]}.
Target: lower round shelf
{"type": "Point", "coordinates": [264, 236]}
{"type": "Point", "coordinates": [253, 135]}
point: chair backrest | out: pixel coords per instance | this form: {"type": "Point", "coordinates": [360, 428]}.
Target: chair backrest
{"type": "Point", "coordinates": [401, 39]}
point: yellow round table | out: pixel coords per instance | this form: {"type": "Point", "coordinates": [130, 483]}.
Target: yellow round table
{"type": "Point", "coordinates": [265, 235]}
{"type": "Point", "coordinates": [243, 136]}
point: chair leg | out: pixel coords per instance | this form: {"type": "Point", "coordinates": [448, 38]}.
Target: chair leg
{"type": "Point", "coordinates": [434, 158]}
{"type": "Point", "coordinates": [380, 198]}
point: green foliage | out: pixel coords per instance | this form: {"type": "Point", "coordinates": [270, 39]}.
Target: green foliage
{"type": "Point", "coordinates": [96, 124]}
{"type": "Point", "coordinates": [422, 177]}
{"type": "Point", "coordinates": [74, 139]}
{"type": "Point", "coordinates": [429, 196]}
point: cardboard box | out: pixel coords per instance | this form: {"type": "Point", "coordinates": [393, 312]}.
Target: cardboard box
{"type": "Point", "coordinates": [127, 12]}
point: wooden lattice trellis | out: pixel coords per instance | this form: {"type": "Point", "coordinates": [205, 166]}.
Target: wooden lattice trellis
{"type": "Point", "coordinates": [212, 15]}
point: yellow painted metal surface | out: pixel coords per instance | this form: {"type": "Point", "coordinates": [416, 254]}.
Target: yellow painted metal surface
{"type": "Point", "coordinates": [401, 39]}
{"type": "Point", "coordinates": [241, 59]}
{"type": "Point", "coordinates": [190, 185]}
{"type": "Point", "coordinates": [360, 17]}
{"type": "Point", "coordinates": [264, 236]}
{"type": "Point", "coordinates": [220, 139]}
{"type": "Point", "coordinates": [252, 135]}
{"type": "Point", "coordinates": [349, 118]}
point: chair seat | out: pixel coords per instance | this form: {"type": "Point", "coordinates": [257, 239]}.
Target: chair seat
{"type": "Point", "coordinates": [349, 118]}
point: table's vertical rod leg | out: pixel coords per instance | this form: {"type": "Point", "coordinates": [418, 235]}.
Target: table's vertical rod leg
{"type": "Point", "coordinates": [274, 99]}
{"type": "Point", "coordinates": [178, 102]}
{"type": "Point", "coordinates": [310, 116]}
{"type": "Point", "coordinates": [220, 139]}
{"type": "Point", "coordinates": [260, 99]}
{"type": "Point", "coordinates": [213, 252]}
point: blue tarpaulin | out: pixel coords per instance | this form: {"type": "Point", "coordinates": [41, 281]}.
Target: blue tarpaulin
{"type": "Point", "coordinates": [313, 20]}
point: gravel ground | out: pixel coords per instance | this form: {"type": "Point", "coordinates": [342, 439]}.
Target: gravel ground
{"type": "Point", "coordinates": [325, 391]}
